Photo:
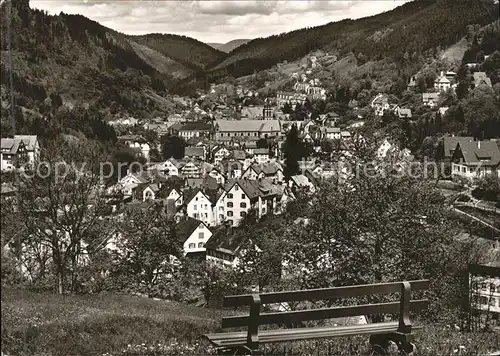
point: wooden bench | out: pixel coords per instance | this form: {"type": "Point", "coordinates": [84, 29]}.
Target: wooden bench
{"type": "Point", "coordinates": [247, 342]}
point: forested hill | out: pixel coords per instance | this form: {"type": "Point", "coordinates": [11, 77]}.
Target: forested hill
{"type": "Point", "coordinates": [405, 32]}
{"type": "Point", "coordinates": [188, 51]}
{"type": "Point", "coordinates": [70, 60]}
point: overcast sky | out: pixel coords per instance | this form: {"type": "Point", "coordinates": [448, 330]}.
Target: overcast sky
{"type": "Point", "coordinates": [216, 21]}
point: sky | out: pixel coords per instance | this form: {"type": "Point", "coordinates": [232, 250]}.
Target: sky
{"type": "Point", "coordinates": [216, 21]}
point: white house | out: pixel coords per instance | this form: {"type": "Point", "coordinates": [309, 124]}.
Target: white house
{"type": "Point", "coordinates": [219, 153]}
{"type": "Point", "coordinates": [333, 133]}
{"type": "Point", "coordinates": [138, 143]}
{"type": "Point", "coordinates": [32, 146]}
{"type": "Point", "coordinates": [176, 196]}
{"type": "Point", "coordinates": [194, 235]}
{"type": "Point", "coordinates": [475, 159]}
{"type": "Point", "coordinates": [171, 167]}
{"type": "Point", "coordinates": [199, 206]}
{"type": "Point", "coordinates": [442, 83]}
{"type": "Point", "coordinates": [261, 155]}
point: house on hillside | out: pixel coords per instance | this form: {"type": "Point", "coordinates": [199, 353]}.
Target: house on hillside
{"type": "Point", "coordinates": [442, 83]}
{"type": "Point", "coordinates": [195, 129]}
{"type": "Point", "coordinates": [137, 143]}
{"type": "Point", "coordinates": [199, 205]}
{"type": "Point", "coordinates": [219, 153]}
{"type": "Point", "coordinates": [404, 113]}
{"type": "Point", "coordinates": [171, 167]}
{"type": "Point", "coordinates": [193, 234]}
{"type": "Point", "coordinates": [261, 155]}
{"type": "Point", "coordinates": [332, 133]}
{"type": "Point", "coordinates": [32, 146]}
{"type": "Point", "coordinates": [239, 196]}
{"type": "Point", "coordinates": [379, 104]}
{"type": "Point", "coordinates": [13, 154]}
{"type": "Point", "coordinates": [450, 143]}
{"type": "Point", "coordinates": [480, 78]}
{"type": "Point", "coordinates": [476, 159]}
{"type": "Point", "coordinates": [227, 245]}
{"type": "Point", "coordinates": [146, 191]}
{"type": "Point", "coordinates": [175, 195]}
{"type": "Point", "coordinates": [430, 99]}
{"type": "Point", "coordinates": [253, 112]}
{"type": "Point", "coordinates": [191, 170]}
{"type": "Point", "coordinates": [194, 153]}
{"type": "Point", "coordinates": [271, 170]}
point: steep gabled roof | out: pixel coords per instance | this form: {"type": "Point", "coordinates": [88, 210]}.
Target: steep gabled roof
{"type": "Point", "coordinates": [186, 227]}
{"type": "Point", "coordinates": [484, 153]}
{"type": "Point", "coordinates": [450, 143]}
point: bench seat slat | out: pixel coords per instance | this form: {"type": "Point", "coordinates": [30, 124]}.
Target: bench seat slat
{"type": "Point", "coordinates": [324, 293]}
{"type": "Point", "coordinates": [239, 338]}
{"type": "Point", "coordinates": [323, 313]}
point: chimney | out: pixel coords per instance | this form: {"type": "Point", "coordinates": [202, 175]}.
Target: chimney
{"type": "Point", "coordinates": [478, 144]}
{"type": "Point", "coordinates": [442, 73]}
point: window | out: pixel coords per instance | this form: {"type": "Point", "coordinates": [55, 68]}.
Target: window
{"type": "Point", "coordinates": [195, 207]}
{"type": "Point", "coordinates": [206, 215]}
{"type": "Point", "coordinates": [492, 288]}
{"type": "Point", "coordinates": [201, 244]}
{"type": "Point", "coordinates": [230, 222]}
{"type": "Point", "coordinates": [221, 217]}
{"type": "Point", "coordinates": [221, 208]}
{"type": "Point", "coordinates": [196, 215]}
{"type": "Point", "coordinates": [230, 196]}
{"type": "Point", "coordinates": [206, 206]}
{"type": "Point", "coordinates": [196, 199]}
{"type": "Point", "coordinates": [483, 300]}
{"type": "Point", "coordinates": [243, 196]}
{"type": "Point", "coordinates": [243, 214]}
{"type": "Point", "coordinates": [192, 245]}
{"type": "Point", "coordinates": [243, 205]}
{"type": "Point", "coordinates": [229, 204]}
{"type": "Point", "coordinates": [230, 213]}
{"type": "Point", "coordinates": [236, 187]}
{"type": "Point", "coordinates": [492, 302]}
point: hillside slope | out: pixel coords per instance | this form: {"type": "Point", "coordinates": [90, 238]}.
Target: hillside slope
{"type": "Point", "coordinates": [232, 45]}
{"type": "Point", "coordinates": [191, 53]}
{"type": "Point", "coordinates": [406, 31]}
{"type": "Point", "coordinates": [69, 60]}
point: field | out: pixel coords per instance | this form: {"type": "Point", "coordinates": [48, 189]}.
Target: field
{"type": "Point", "coordinates": [48, 324]}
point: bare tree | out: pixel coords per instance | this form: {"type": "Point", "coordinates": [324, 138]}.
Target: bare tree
{"type": "Point", "coordinates": [63, 206]}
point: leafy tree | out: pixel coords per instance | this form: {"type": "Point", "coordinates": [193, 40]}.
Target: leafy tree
{"type": "Point", "coordinates": [173, 146]}
{"type": "Point", "coordinates": [482, 113]}
{"type": "Point", "coordinates": [488, 188]}
{"type": "Point", "coordinates": [291, 150]}
{"type": "Point", "coordinates": [148, 251]}
{"type": "Point", "coordinates": [374, 229]}
{"type": "Point", "coordinates": [262, 143]}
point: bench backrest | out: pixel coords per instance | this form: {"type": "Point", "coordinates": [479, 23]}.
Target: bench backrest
{"type": "Point", "coordinates": [255, 318]}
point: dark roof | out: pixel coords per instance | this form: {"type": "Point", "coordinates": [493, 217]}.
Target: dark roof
{"type": "Point", "coordinates": [186, 227]}
{"type": "Point", "coordinates": [230, 240]}
{"type": "Point", "coordinates": [252, 188]}
{"type": "Point", "coordinates": [196, 126]}
{"type": "Point", "coordinates": [480, 152]}
{"type": "Point", "coordinates": [206, 182]}
{"type": "Point", "coordinates": [450, 143]}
